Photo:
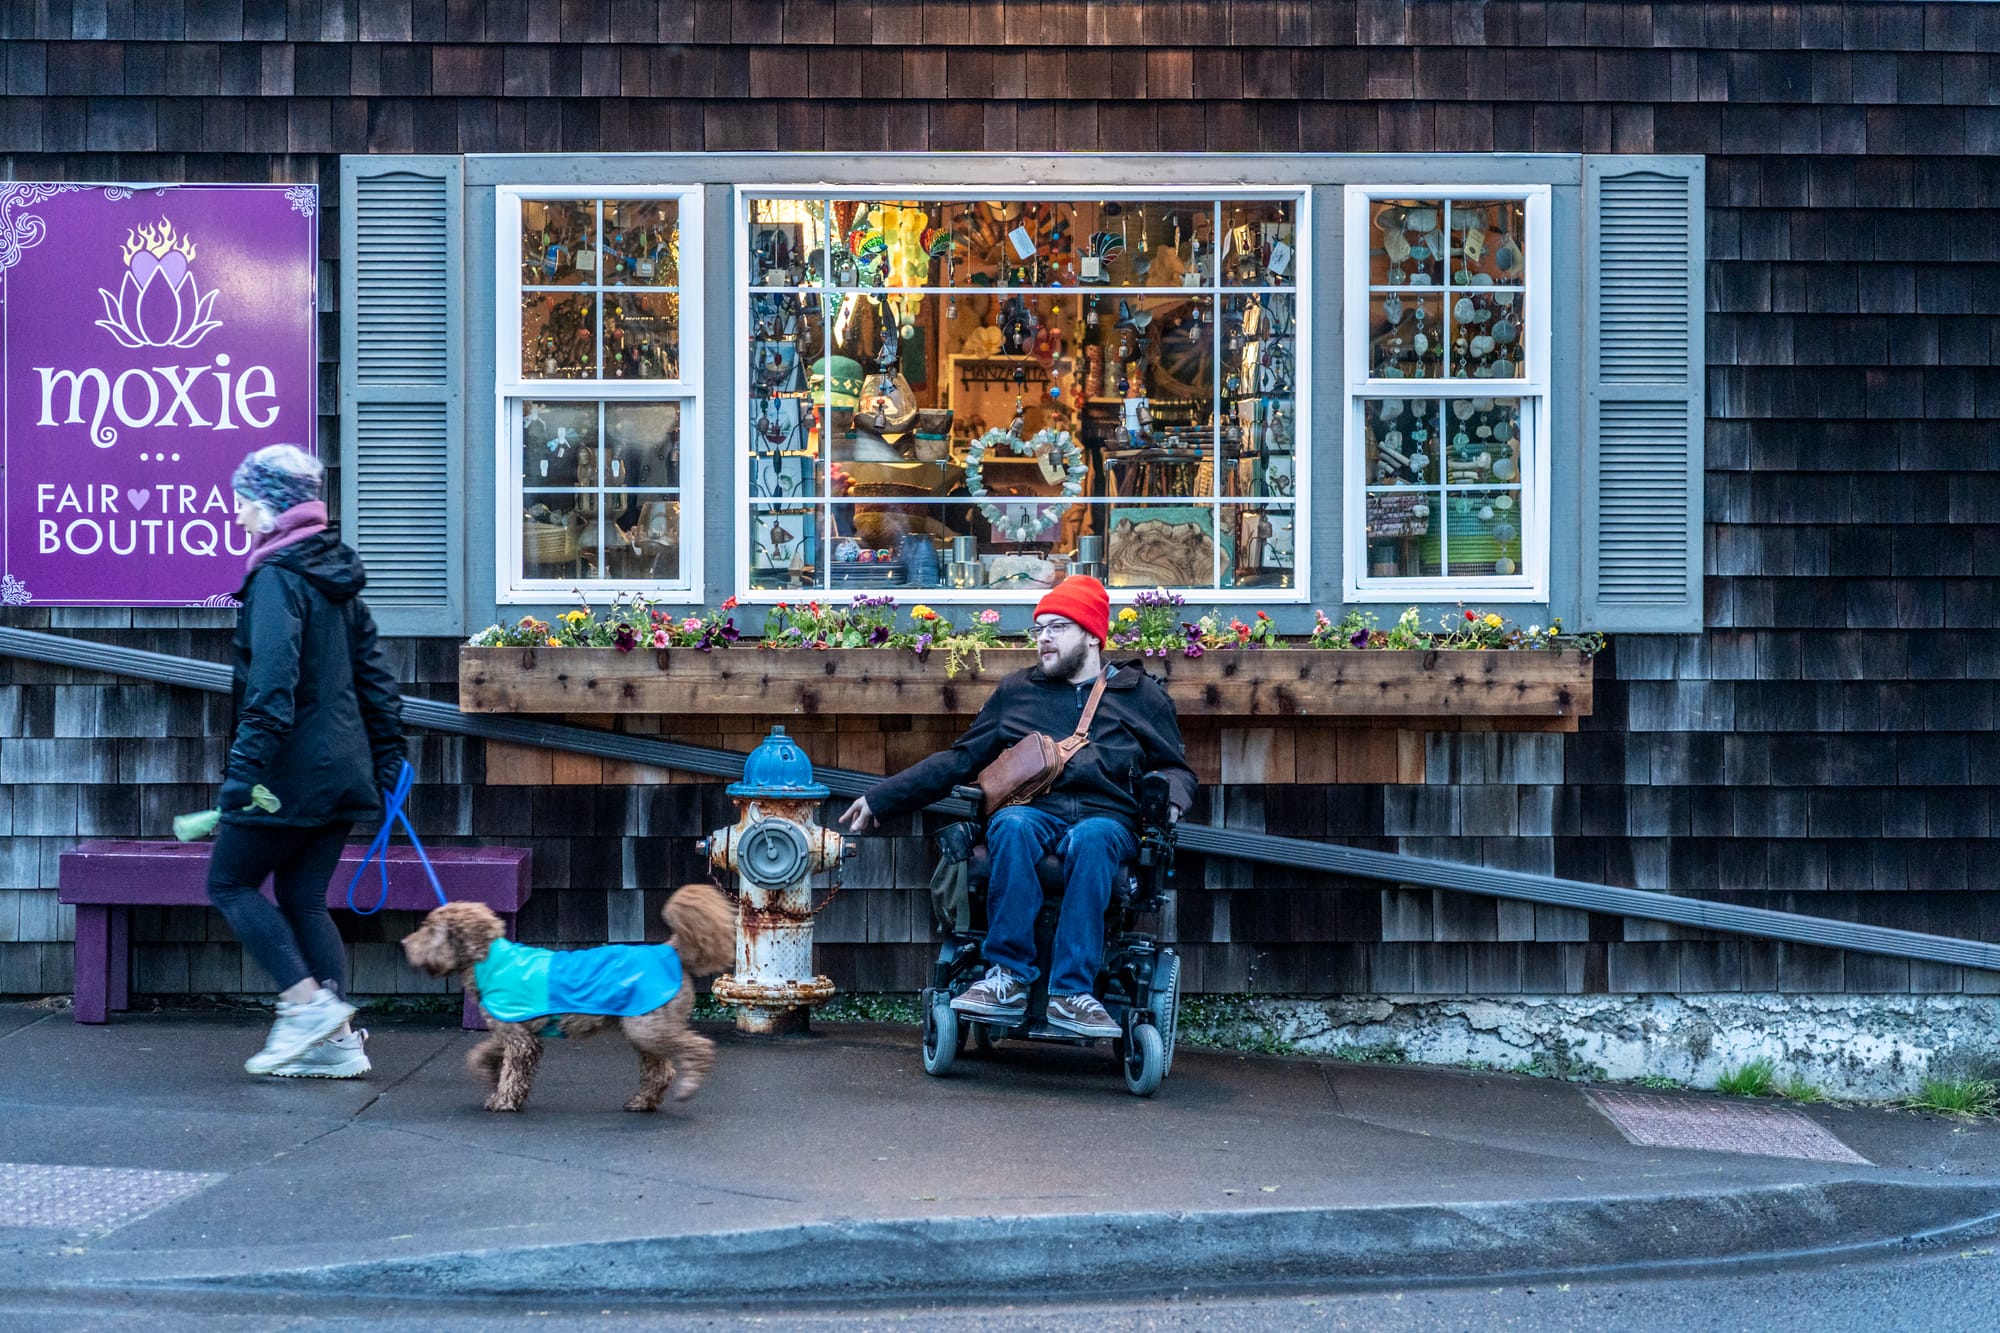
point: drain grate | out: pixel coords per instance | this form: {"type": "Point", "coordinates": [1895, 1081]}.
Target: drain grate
{"type": "Point", "coordinates": [89, 1198]}
{"type": "Point", "coordinates": [1706, 1126]}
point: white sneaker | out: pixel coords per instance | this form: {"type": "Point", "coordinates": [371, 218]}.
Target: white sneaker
{"type": "Point", "coordinates": [336, 1057]}
{"type": "Point", "coordinates": [299, 1027]}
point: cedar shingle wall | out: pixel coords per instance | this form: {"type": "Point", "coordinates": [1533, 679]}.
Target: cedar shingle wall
{"type": "Point", "coordinates": [1826, 746]}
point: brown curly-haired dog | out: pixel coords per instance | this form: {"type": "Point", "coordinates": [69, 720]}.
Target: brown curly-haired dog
{"type": "Point", "coordinates": [457, 937]}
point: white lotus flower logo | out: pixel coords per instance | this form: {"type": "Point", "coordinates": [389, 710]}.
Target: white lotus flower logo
{"type": "Point", "coordinates": [159, 304]}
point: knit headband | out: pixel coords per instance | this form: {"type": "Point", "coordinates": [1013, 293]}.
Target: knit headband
{"type": "Point", "coordinates": [274, 488]}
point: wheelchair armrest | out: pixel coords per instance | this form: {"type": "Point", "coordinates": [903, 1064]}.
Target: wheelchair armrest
{"type": "Point", "coordinates": [965, 791]}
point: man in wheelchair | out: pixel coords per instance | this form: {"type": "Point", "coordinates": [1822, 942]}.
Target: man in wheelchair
{"type": "Point", "coordinates": [1090, 817]}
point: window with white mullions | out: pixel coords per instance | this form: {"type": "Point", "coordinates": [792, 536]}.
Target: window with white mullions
{"type": "Point", "coordinates": [598, 388]}
{"type": "Point", "coordinates": [1447, 379]}
{"type": "Point", "coordinates": [974, 393]}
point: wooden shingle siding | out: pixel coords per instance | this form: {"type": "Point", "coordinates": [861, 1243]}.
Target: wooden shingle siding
{"type": "Point", "coordinates": [1826, 744]}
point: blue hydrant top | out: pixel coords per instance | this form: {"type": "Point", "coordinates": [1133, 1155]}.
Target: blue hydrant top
{"type": "Point", "coordinates": [778, 769]}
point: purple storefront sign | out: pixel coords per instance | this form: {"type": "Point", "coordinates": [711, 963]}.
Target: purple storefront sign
{"type": "Point", "coordinates": [151, 337]}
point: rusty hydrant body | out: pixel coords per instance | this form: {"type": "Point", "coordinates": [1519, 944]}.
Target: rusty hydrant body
{"type": "Point", "coordinates": [774, 847]}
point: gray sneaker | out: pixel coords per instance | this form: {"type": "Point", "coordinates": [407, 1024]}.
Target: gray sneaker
{"type": "Point", "coordinates": [1000, 995]}
{"type": "Point", "coordinates": [1083, 1015]}
{"type": "Point", "coordinates": [299, 1028]}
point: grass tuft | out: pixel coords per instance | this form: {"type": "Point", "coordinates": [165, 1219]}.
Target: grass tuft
{"type": "Point", "coordinates": [1666, 1081]}
{"type": "Point", "coordinates": [1796, 1088]}
{"type": "Point", "coordinates": [1957, 1096]}
{"type": "Point", "coordinates": [1752, 1080]}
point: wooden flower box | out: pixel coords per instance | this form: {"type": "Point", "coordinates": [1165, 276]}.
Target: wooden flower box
{"type": "Point", "coordinates": [1260, 683]}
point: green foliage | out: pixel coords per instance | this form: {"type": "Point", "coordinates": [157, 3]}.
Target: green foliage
{"type": "Point", "coordinates": [1385, 1054]}
{"type": "Point", "coordinates": [1663, 1081]}
{"type": "Point", "coordinates": [1957, 1096]}
{"type": "Point", "coordinates": [1752, 1080]}
{"type": "Point", "coordinates": [1797, 1088]}
{"type": "Point", "coordinates": [1560, 1060]}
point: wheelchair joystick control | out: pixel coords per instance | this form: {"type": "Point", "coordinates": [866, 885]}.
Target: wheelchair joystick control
{"type": "Point", "coordinates": [775, 847]}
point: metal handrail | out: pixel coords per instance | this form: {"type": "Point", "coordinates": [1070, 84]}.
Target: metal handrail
{"type": "Point", "coordinates": [1237, 844]}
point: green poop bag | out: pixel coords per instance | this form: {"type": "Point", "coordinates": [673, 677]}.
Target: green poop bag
{"type": "Point", "coordinates": [202, 823]}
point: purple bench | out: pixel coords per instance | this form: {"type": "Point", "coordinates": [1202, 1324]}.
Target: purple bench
{"type": "Point", "coordinates": [105, 880]}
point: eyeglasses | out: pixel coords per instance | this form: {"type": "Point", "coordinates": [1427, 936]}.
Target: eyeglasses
{"type": "Point", "coordinates": [1049, 629]}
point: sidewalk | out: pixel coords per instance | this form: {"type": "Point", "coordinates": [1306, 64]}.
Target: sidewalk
{"type": "Point", "coordinates": [832, 1167]}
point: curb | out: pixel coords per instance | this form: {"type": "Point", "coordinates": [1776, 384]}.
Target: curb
{"type": "Point", "coordinates": [1058, 1255]}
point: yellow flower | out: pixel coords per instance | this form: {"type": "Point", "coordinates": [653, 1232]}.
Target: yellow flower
{"type": "Point", "coordinates": [1127, 616]}
{"type": "Point", "coordinates": [1492, 621]}
{"type": "Point", "coordinates": [577, 616]}
{"type": "Point", "coordinates": [555, 642]}
{"type": "Point", "coordinates": [921, 612]}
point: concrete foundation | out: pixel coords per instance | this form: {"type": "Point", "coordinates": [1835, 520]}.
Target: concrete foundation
{"type": "Point", "coordinates": [1862, 1046]}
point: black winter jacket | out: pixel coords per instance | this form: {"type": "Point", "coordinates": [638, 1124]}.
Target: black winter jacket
{"type": "Point", "coordinates": [1135, 729]}
{"type": "Point", "coordinates": [318, 718]}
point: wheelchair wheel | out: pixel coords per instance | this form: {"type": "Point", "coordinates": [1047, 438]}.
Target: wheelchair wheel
{"type": "Point", "coordinates": [982, 1037]}
{"type": "Point", "coordinates": [1145, 1061]}
{"type": "Point", "coordinates": [1167, 1005]}
{"type": "Point", "coordinates": [940, 1035]}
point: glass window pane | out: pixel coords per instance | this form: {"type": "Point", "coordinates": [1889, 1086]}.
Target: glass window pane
{"type": "Point", "coordinates": [558, 242]}
{"type": "Point", "coordinates": [1406, 243]}
{"type": "Point", "coordinates": [599, 489]}
{"type": "Point", "coordinates": [1399, 441]}
{"type": "Point", "coordinates": [784, 547]}
{"type": "Point", "coordinates": [787, 242]}
{"type": "Point", "coordinates": [1488, 242]}
{"type": "Point", "coordinates": [1258, 390]}
{"type": "Point", "coordinates": [558, 336]}
{"type": "Point", "coordinates": [642, 242]}
{"type": "Point", "coordinates": [1161, 545]}
{"type": "Point", "coordinates": [1486, 334]}
{"type": "Point", "coordinates": [1400, 543]}
{"type": "Point", "coordinates": [1483, 533]}
{"type": "Point", "coordinates": [1259, 243]}
{"type": "Point", "coordinates": [1406, 335]}
{"type": "Point", "coordinates": [1483, 440]}
{"type": "Point", "coordinates": [641, 336]}
{"type": "Point", "coordinates": [1259, 546]}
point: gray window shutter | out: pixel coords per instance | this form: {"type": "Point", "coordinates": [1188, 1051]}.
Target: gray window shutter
{"type": "Point", "coordinates": [1643, 403]}
{"type": "Point", "coordinates": [402, 445]}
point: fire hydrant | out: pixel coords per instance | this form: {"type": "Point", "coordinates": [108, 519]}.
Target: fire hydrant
{"type": "Point", "coordinates": [775, 845]}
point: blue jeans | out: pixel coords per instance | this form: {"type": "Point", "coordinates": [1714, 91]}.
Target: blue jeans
{"type": "Point", "coordinates": [1092, 850]}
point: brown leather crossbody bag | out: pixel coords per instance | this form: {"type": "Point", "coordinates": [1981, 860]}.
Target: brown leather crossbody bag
{"type": "Point", "coordinates": [1031, 765]}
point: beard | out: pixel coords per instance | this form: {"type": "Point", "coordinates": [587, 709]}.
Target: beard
{"type": "Point", "coordinates": [1066, 664]}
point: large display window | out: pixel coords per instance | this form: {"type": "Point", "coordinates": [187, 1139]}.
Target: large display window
{"type": "Point", "coordinates": [598, 332]}
{"type": "Point", "coordinates": [969, 393]}
{"type": "Point", "coordinates": [1447, 384]}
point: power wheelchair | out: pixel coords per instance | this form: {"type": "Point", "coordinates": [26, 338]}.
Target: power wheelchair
{"type": "Point", "coordinates": [1139, 980]}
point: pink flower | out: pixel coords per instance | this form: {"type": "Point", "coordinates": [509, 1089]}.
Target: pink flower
{"type": "Point", "coordinates": [989, 617]}
{"type": "Point", "coordinates": [691, 625]}
{"type": "Point", "coordinates": [659, 638]}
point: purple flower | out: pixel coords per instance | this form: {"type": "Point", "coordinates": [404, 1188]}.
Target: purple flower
{"type": "Point", "coordinates": [729, 631]}
{"type": "Point", "coordinates": [922, 645]}
{"type": "Point", "coordinates": [1194, 650]}
{"type": "Point", "coordinates": [1360, 639]}
{"type": "Point", "coordinates": [878, 635]}
{"type": "Point", "coordinates": [624, 640]}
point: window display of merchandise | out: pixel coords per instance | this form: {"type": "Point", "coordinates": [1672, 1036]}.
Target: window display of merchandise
{"type": "Point", "coordinates": [600, 490]}
{"type": "Point", "coordinates": [1445, 387]}
{"type": "Point", "coordinates": [961, 393]}
{"type": "Point", "coordinates": [595, 396]}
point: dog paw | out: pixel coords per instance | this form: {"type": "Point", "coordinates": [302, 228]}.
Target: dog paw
{"type": "Point", "coordinates": [498, 1103]}
{"type": "Point", "coordinates": [686, 1086]}
{"type": "Point", "coordinates": [643, 1104]}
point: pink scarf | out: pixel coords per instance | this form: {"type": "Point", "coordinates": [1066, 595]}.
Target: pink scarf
{"type": "Point", "coordinates": [294, 525]}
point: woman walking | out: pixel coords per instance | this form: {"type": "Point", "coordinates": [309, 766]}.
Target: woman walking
{"type": "Point", "coordinates": [318, 725]}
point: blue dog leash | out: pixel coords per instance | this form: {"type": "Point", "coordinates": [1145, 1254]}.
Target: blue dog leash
{"type": "Point", "coordinates": [378, 850]}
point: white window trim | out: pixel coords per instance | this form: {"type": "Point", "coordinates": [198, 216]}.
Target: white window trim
{"type": "Point", "coordinates": [1302, 277]}
{"type": "Point", "coordinates": [1532, 584]}
{"type": "Point", "coordinates": [510, 588]}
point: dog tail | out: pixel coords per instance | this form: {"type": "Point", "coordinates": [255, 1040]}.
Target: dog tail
{"type": "Point", "coordinates": [703, 923]}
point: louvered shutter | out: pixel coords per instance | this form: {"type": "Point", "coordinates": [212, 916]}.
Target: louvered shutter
{"type": "Point", "coordinates": [401, 387]}
{"type": "Point", "coordinates": [1643, 402]}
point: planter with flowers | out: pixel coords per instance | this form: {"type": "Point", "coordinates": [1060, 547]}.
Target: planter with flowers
{"type": "Point", "coordinates": [868, 657]}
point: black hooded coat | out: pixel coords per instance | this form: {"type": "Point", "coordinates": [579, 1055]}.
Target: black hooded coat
{"type": "Point", "coordinates": [318, 718]}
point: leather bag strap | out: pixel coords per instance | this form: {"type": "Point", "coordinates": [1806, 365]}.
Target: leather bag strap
{"type": "Point", "coordinates": [1081, 736]}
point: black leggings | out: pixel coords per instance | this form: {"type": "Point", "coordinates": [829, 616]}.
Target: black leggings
{"type": "Point", "coordinates": [295, 940]}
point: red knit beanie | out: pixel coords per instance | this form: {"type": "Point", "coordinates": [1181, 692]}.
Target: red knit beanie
{"type": "Point", "coordinates": [1083, 600]}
